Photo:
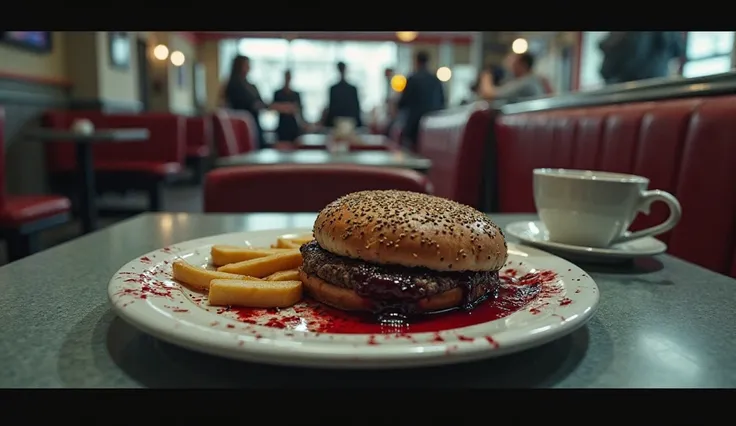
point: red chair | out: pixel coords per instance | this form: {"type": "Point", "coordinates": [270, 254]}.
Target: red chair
{"type": "Point", "coordinates": [199, 145]}
{"type": "Point", "coordinates": [299, 188]}
{"type": "Point", "coordinates": [234, 132]}
{"type": "Point", "coordinates": [22, 217]}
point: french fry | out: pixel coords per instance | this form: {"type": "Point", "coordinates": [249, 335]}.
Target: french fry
{"type": "Point", "coordinates": [255, 294]}
{"type": "Point", "coordinates": [200, 278]}
{"type": "Point", "coordinates": [284, 243]}
{"type": "Point", "coordinates": [289, 275]}
{"type": "Point", "coordinates": [265, 266]}
{"type": "Point", "coordinates": [222, 255]}
{"type": "Point", "coordinates": [299, 239]}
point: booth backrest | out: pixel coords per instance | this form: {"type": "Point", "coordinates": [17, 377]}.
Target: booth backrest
{"type": "Point", "coordinates": [683, 146]}
{"type": "Point", "coordinates": [299, 188]}
{"type": "Point", "coordinates": [455, 141]}
{"type": "Point", "coordinates": [166, 143]}
{"type": "Point", "coordinates": [199, 135]}
{"type": "Point", "coordinates": [234, 132]}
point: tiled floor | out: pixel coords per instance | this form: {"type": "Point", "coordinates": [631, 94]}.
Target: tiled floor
{"type": "Point", "coordinates": [176, 199]}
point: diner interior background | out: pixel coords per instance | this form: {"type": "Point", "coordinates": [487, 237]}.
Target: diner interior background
{"type": "Point", "coordinates": [90, 71]}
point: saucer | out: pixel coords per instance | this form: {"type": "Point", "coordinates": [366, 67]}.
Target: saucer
{"type": "Point", "coordinates": [535, 233]}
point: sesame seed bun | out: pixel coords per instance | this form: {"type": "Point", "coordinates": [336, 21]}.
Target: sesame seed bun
{"type": "Point", "coordinates": [410, 229]}
{"type": "Point", "coordinates": [348, 300]}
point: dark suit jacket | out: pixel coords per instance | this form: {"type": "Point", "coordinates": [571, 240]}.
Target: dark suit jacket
{"type": "Point", "coordinates": [423, 93]}
{"type": "Point", "coordinates": [244, 96]}
{"type": "Point", "coordinates": [638, 55]}
{"type": "Point", "coordinates": [343, 103]}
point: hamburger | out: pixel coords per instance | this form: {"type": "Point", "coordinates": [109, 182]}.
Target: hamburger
{"type": "Point", "coordinates": [402, 252]}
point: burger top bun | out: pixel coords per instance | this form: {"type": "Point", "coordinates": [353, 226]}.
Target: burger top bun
{"type": "Point", "coordinates": [410, 229]}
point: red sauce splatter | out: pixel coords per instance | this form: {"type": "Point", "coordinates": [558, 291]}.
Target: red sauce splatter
{"type": "Point", "coordinates": [465, 338]}
{"type": "Point", "coordinates": [565, 301]}
{"type": "Point", "coordinates": [537, 309]}
{"type": "Point", "coordinates": [491, 341]}
{"type": "Point", "coordinates": [148, 286]}
{"type": "Point", "coordinates": [372, 340]}
{"type": "Point", "coordinates": [515, 294]}
{"type": "Point", "coordinates": [511, 273]}
{"type": "Point", "coordinates": [145, 259]}
{"type": "Point", "coordinates": [166, 249]}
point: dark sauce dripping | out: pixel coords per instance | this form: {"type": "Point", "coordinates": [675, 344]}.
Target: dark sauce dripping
{"type": "Point", "coordinates": [513, 294]}
{"type": "Point", "coordinates": [394, 288]}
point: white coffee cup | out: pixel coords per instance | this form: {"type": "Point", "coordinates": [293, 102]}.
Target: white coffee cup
{"type": "Point", "coordinates": [595, 209]}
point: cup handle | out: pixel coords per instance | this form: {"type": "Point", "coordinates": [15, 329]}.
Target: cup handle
{"type": "Point", "coordinates": [647, 198]}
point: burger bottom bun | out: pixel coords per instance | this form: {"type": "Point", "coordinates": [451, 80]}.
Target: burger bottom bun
{"type": "Point", "coordinates": [349, 300]}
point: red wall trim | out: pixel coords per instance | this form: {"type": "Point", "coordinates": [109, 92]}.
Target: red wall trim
{"type": "Point", "coordinates": [432, 38]}
{"type": "Point", "coordinates": [189, 36]}
{"type": "Point", "coordinates": [49, 81]}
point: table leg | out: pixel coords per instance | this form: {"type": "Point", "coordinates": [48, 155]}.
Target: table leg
{"type": "Point", "coordinates": [87, 189]}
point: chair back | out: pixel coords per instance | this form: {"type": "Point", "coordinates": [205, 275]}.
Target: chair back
{"type": "Point", "coordinates": [299, 188]}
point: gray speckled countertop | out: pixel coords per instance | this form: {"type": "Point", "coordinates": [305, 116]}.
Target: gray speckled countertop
{"type": "Point", "coordinates": [662, 322]}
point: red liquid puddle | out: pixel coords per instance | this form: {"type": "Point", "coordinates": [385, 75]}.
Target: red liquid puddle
{"type": "Point", "coordinates": [515, 293]}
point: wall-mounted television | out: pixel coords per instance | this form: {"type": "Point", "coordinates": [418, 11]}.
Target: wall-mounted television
{"type": "Point", "coordinates": [39, 41]}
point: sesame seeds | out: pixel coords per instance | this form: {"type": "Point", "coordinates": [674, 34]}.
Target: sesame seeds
{"type": "Point", "coordinates": [428, 227]}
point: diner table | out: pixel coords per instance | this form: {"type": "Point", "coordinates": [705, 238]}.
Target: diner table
{"type": "Point", "coordinates": [87, 207]}
{"type": "Point", "coordinates": [662, 322]}
{"type": "Point", "coordinates": [394, 159]}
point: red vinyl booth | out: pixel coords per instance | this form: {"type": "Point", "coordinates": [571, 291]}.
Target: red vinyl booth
{"type": "Point", "coordinates": [686, 147]}
{"type": "Point", "coordinates": [127, 165]}
{"type": "Point", "coordinates": [234, 132]}
{"type": "Point", "coordinates": [199, 139]}
{"type": "Point", "coordinates": [22, 217]}
{"type": "Point", "coordinates": [455, 141]}
{"type": "Point", "coordinates": [299, 188]}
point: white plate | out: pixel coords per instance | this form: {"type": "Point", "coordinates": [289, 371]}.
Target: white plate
{"type": "Point", "coordinates": [535, 233]}
{"type": "Point", "coordinates": [143, 293]}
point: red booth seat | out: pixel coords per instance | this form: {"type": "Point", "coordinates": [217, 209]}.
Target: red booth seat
{"type": "Point", "coordinates": [234, 132]}
{"type": "Point", "coordinates": [685, 147]}
{"type": "Point", "coordinates": [23, 216]}
{"type": "Point", "coordinates": [162, 154]}
{"type": "Point", "coordinates": [455, 141]}
{"type": "Point", "coordinates": [299, 188]}
{"type": "Point", "coordinates": [18, 210]}
{"type": "Point", "coordinates": [198, 136]}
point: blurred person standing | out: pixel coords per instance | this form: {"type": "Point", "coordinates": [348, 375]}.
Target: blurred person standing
{"type": "Point", "coordinates": [638, 55]}
{"type": "Point", "coordinates": [523, 84]}
{"type": "Point", "coordinates": [242, 95]}
{"type": "Point", "coordinates": [288, 103]}
{"type": "Point", "coordinates": [496, 75]}
{"type": "Point", "coordinates": [423, 94]}
{"type": "Point", "coordinates": [343, 101]}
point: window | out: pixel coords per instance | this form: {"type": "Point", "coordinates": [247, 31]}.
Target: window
{"type": "Point", "coordinates": [591, 60]}
{"type": "Point", "coordinates": [463, 76]}
{"type": "Point", "coordinates": [708, 52]}
{"type": "Point", "coordinates": [313, 66]}
{"type": "Point", "coordinates": [268, 61]}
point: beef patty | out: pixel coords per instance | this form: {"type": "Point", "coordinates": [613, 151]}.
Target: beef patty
{"type": "Point", "coordinates": [394, 282]}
